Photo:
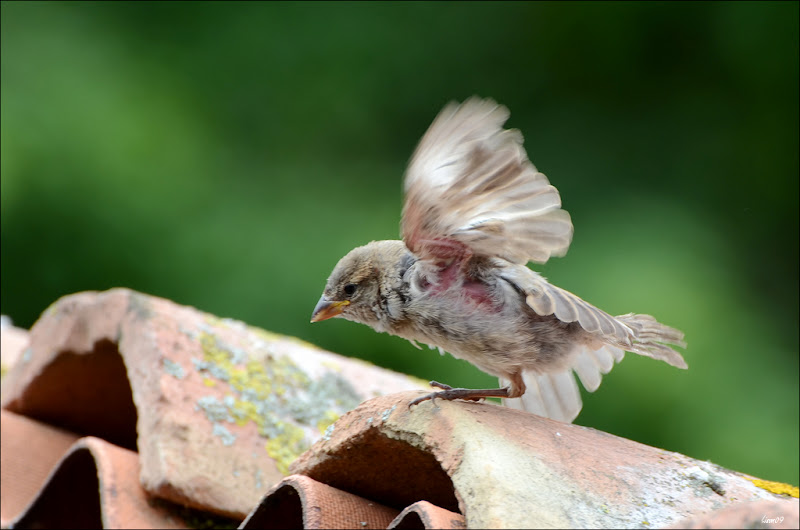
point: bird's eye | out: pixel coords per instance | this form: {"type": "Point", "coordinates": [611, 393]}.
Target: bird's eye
{"type": "Point", "coordinates": [349, 289]}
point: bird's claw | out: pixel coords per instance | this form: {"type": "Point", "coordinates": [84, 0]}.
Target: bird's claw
{"type": "Point", "coordinates": [443, 386]}
{"type": "Point", "coordinates": [448, 393]}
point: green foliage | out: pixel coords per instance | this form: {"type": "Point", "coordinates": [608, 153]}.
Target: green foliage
{"type": "Point", "coordinates": [226, 155]}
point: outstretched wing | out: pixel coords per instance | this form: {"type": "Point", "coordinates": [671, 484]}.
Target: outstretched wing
{"type": "Point", "coordinates": [640, 334]}
{"type": "Point", "coordinates": [470, 188]}
{"type": "Point", "coordinates": [555, 394]}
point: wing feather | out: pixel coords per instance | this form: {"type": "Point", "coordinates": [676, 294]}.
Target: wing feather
{"type": "Point", "coordinates": [470, 182]}
{"type": "Point", "coordinates": [547, 299]}
{"type": "Point", "coordinates": [641, 334]}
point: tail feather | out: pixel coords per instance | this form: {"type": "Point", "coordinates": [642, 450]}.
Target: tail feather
{"type": "Point", "coordinates": [590, 365]}
{"type": "Point", "coordinates": [652, 339]}
{"type": "Point", "coordinates": [589, 371]}
{"type": "Point", "coordinates": [554, 396]}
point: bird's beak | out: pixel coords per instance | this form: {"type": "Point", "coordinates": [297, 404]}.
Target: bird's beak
{"type": "Point", "coordinates": [326, 309]}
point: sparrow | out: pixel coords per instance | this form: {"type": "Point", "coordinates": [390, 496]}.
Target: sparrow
{"type": "Point", "coordinates": [476, 211]}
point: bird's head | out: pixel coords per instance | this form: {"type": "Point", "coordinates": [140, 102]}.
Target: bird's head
{"type": "Point", "coordinates": [353, 288]}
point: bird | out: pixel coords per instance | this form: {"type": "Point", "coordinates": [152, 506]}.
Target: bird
{"type": "Point", "coordinates": [476, 211]}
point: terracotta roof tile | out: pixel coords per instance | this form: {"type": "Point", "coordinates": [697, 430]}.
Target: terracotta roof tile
{"type": "Point", "coordinates": [217, 409]}
{"type": "Point", "coordinates": [301, 502]}
{"type": "Point", "coordinates": [423, 514]}
{"type": "Point", "coordinates": [756, 514]}
{"type": "Point", "coordinates": [30, 450]}
{"type": "Point", "coordinates": [508, 468]}
{"type": "Point", "coordinates": [122, 404]}
{"type": "Point", "coordinates": [94, 485]}
{"type": "Point", "coordinates": [14, 341]}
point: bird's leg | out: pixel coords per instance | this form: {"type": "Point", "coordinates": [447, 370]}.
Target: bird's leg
{"type": "Point", "coordinates": [450, 393]}
{"type": "Point", "coordinates": [514, 390]}
{"type": "Point", "coordinates": [517, 386]}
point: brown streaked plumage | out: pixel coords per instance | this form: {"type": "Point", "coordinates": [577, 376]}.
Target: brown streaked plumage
{"type": "Point", "coordinates": [476, 211]}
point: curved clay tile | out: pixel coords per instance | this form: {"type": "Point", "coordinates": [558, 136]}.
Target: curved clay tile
{"type": "Point", "coordinates": [30, 450]}
{"type": "Point", "coordinates": [96, 485]}
{"type": "Point", "coordinates": [53, 479]}
{"type": "Point", "coordinates": [757, 514]}
{"type": "Point", "coordinates": [423, 515]}
{"type": "Point", "coordinates": [507, 468]}
{"type": "Point", "coordinates": [301, 502]}
{"type": "Point", "coordinates": [217, 409]}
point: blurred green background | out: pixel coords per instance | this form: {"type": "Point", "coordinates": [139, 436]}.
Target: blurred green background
{"type": "Point", "coordinates": [226, 155]}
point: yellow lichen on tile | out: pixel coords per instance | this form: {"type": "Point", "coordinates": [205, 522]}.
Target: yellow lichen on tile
{"type": "Point", "coordinates": [273, 392]}
{"type": "Point", "coordinates": [244, 412]}
{"type": "Point", "coordinates": [213, 353]}
{"type": "Point", "coordinates": [779, 488]}
{"type": "Point", "coordinates": [328, 419]}
{"type": "Point", "coordinates": [257, 379]}
{"type": "Point", "coordinates": [285, 447]}
{"type": "Point", "coordinates": [252, 376]}
{"type": "Point", "coordinates": [287, 374]}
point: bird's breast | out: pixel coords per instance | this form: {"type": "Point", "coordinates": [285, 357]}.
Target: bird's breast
{"type": "Point", "coordinates": [446, 286]}
{"type": "Point", "coordinates": [478, 294]}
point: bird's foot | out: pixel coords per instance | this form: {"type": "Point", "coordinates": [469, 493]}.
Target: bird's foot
{"type": "Point", "coordinates": [449, 393]}
{"type": "Point", "coordinates": [443, 386]}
